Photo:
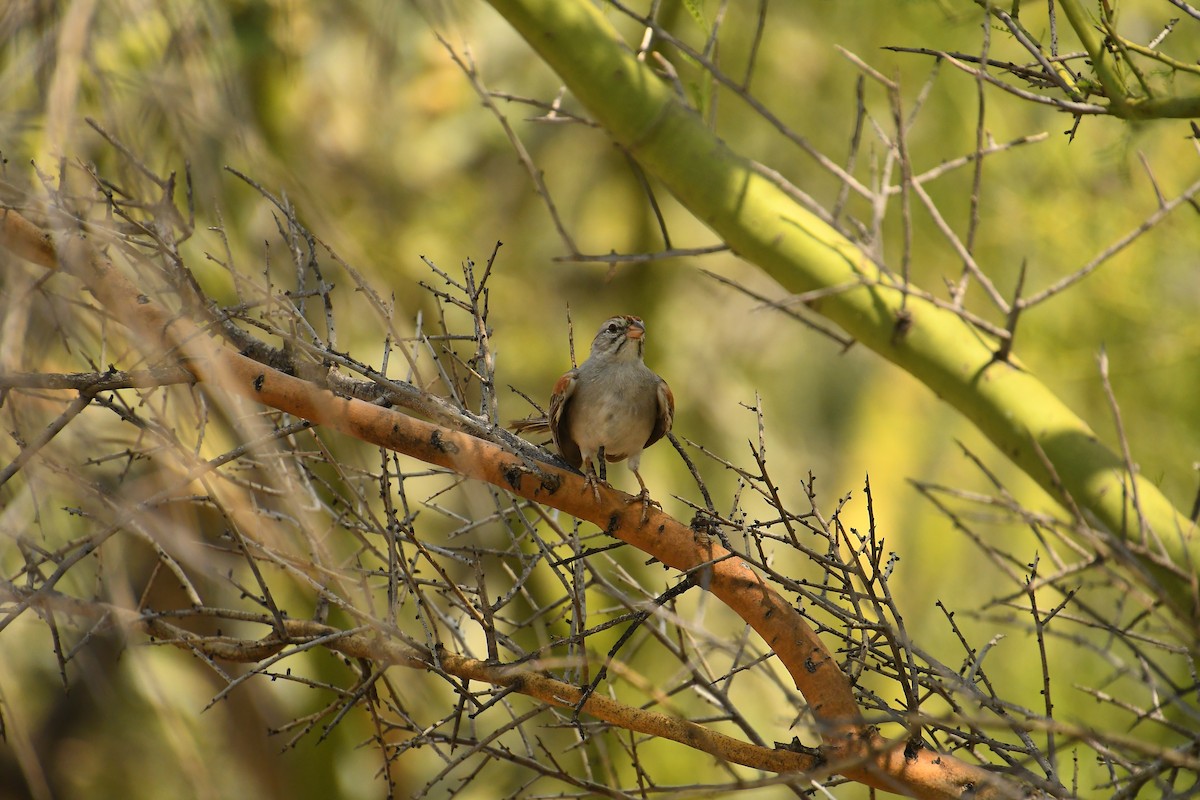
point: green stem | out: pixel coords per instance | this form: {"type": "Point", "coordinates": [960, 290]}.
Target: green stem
{"type": "Point", "coordinates": [1114, 87]}
{"type": "Point", "coordinates": [764, 225]}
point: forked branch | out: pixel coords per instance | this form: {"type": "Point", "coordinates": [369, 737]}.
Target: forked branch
{"type": "Point", "coordinates": [850, 747]}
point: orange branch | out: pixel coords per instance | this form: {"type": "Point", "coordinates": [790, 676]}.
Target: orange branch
{"type": "Point", "coordinates": [367, 645]}
{"type": "Point", "coordinates": [851, 746]}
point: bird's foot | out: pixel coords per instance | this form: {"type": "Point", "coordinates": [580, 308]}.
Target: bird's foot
{"type": "Point", "coordinates": [592, 481]}
{"type": "Point", "coordinates": [591, 478]}
{"type": "Point", "coordinates": [643, 497]}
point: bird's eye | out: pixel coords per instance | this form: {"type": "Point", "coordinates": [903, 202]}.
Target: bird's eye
{"type": "Point", "coordinates": [613, 327]}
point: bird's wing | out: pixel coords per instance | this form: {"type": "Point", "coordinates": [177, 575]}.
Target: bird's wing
{"type": "Point", "coordinates": [560, 418]}
{"type": "Point", "coordinates": [666, 413]}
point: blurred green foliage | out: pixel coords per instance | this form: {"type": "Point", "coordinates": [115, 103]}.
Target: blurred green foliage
{"type": "Point", "coordinates": [357, 114]}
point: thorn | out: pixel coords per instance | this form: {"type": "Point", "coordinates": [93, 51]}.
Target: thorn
{"type": "Point", "coordinates": [1014, 312]}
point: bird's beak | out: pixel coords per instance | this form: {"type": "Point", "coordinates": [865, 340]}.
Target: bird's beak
{"type": "Point", "coordinates": [636, 330]}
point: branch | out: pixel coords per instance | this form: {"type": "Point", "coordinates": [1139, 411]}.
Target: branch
{"type": "Point", "coordinates": [1121, 103]}
{"type": "Point", "coordinates": [363, 644]}
{"type": "Point", "coordinates": [849, 742]}
{"type": "Point", "coordinates": [764, 225]}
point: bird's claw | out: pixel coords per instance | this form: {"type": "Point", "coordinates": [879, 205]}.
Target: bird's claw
{"type": "Point", "coordinates": [591, 481]}
{"type": "Point", "coordinates": [643, 497]}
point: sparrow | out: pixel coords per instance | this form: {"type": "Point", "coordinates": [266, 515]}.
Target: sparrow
{"type": "Point", "coordinates": [610, 407]}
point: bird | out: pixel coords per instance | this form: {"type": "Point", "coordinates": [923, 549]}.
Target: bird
{"type": "Point", "coordinates": [611, 407]}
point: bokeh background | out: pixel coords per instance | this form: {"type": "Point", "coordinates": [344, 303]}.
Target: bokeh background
{"type": "Point", "coordinates": [360, 117]}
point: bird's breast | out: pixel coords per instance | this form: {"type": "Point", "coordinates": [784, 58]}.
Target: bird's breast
{"type": "Point", "coordinates": [617, 420]}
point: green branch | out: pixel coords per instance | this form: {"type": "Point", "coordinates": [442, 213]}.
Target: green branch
{"type": "Point", "coordinates": [764, 225]}
{"type": "Point", "coordinates": [1122, 103]}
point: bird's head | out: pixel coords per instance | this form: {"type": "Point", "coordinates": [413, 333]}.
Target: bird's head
{"type": "Point", "coordinates": [620, 337]}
